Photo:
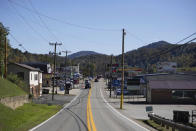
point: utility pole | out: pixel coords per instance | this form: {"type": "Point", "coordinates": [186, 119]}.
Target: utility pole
{"type": "Point", "coordinates": [122, 84]}
{"type": "Point", "coordinates": [5, 63]}
{"type": "Point", "coordinates": [111, 76]}
{"type": "Point", "coordinates": [54, 72]}
{"type": "Point", "coordinates": [89, 66]}
{"type": "Point", "coordinates": [66, 52]}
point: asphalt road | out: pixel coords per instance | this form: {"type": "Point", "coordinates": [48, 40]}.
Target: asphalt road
{"type": "Point", "coordinates": [106, 118]}
{"type": "Point", "coordinates": [89, 111]}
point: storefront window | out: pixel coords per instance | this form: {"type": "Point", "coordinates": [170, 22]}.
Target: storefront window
{"type": "Point", "coordinates": [184, 94]}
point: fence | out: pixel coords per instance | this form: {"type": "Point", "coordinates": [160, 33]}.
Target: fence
{"type": "Point", "coordinates": [169, 123]}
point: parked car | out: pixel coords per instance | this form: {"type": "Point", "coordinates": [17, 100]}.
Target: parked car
{"type": "Point", "coordinates": [86, 81]}
{"type": "Point", "coordinates": [118, 91]}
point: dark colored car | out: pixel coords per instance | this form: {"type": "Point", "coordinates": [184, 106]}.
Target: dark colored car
{"type": "Point", "coordinates": [96, 80]}
{"type": "Point", "coordinates": [87, 85]}
{"type": "Point", "coordinates": [86, 81]}
{"type": "Point", "coordinates": [45, 91]}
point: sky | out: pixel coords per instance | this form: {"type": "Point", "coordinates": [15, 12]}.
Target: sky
{"type": "Point", "coordinates": [95, 25]}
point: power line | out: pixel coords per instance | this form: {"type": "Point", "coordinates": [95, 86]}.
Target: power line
{"type": "Point", "coordinates": [42, 21]}
{"type": "Point", "coordinates": [136, 37]}
{"type": "Point", "coordinates": [19, 43]}
{"type": "Point", "coordinates": [186, 38]}
{"type": "Point", "coordinates": [35, 17]}
{"type": "Point", "coordinates": [23, 18]}
{"type": "Point", "coordinates": [156, 55]}
{"type": "Point", "coordinates": [75, 37]}
{"type": "Point", "coordinates": [172, 48]}
{"type": "Point", "coordinates": [65, 22]}
{"type": "Point", "coordinates": [15, 38]}
{"type": "Point", "coordinates": [22, 47]}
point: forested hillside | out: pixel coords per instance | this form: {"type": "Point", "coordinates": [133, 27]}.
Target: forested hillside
{"type": "Point", "coordinates": [144, 57]}
{"type": "Point", "coordinates": [92, 63]}
{"type": "Point", "coordinates": [185, 55]}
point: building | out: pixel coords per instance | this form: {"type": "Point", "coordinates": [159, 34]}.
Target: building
{"type": "Point", "coordinates": [74, 69]}
{"type": "Point", "coordinates": [166, 67]}
{"type": "Point", "coordinates": [70, 71]}
{"type": "Point", "coordinates": [31, 76]}
{"type": "Point", "coordinates": [171, 88]}
{"type": "Point", "coordinates": [131, 84]}
{"type": "Point", "coordinates": [46, 72]}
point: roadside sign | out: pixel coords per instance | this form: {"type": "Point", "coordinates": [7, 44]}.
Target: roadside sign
{"type": "Point", "coordinates": [133, 82]}
{"type": "Point", "coordinates": [131, 69]}
{"type": "Point", "coordinates": [149, 109]}
{"type": "Point", "coordinates": [133, 87]}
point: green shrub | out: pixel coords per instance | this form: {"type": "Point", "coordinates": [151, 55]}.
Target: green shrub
{"type": "Point", "coordinates": [16, 80]}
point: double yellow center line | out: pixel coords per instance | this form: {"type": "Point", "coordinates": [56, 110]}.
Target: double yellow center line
{"type": "Point", "coordinates": [90, 121]}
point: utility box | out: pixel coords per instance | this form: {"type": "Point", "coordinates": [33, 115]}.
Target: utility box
{"type": "Point", "coordinates": [181, 116]}
{"type": "Point", "coordinates": [45, 91]}
{"type": "Point", "coordinates": [67, 88]}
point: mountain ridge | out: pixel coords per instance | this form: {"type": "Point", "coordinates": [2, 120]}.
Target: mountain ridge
{"type": "Point", "coordinates": [82, 53]}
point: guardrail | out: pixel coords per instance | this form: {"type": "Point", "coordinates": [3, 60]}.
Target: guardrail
{"type": "Point", "coordinates": [193, 116]}
{"type": "Point", "coordinates": [169, 123]}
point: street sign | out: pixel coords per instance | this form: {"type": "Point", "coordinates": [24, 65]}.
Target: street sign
{"type": "Point", "coordinates": [149, 109]}
{"type": "Point", "coordinates": [133, 87]}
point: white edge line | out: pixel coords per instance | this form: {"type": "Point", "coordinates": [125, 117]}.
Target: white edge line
{"type": "Point", "coordinates": [65, 106]}
{"type": "Point", "coordinates": [115, 111]}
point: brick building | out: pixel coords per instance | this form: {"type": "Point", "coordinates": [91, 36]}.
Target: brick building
{"type": "Point", "coordinates": [171, 88]}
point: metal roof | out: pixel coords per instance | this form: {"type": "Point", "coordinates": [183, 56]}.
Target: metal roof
{"type": "Point", "coordinates": [27, 67]}
{"type": "Point", "coordinates": [41, 66]}
{"type": "Point", "coordinates": [181, 85]}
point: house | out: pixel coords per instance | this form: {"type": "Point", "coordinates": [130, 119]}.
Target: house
{"type": "Point", "coordinates": [46, 72]}
{"type": "Point", "coordinates": [31, 76]}
{"type": "Point", "coordinates": [171, 88]}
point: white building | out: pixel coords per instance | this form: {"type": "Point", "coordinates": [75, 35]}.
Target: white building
{"type": "Point", "coordinates": [31, 76]}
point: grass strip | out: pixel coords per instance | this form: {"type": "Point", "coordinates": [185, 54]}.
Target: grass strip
{"type": "Point", "coordinates": [156, 126]}
{"type": "Point", "coordinates": [26, 116]}
{"type": "Point", "coordinates": [9, 89]}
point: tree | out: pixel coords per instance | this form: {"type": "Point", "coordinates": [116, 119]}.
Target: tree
{"type": "Point", "coordinates": [3, 33]}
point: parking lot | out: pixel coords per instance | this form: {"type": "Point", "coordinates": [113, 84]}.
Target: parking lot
{"type": "Point", "coordinates": [59, 98]}
{"type": "Point", "coordinates": [135, 106]}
